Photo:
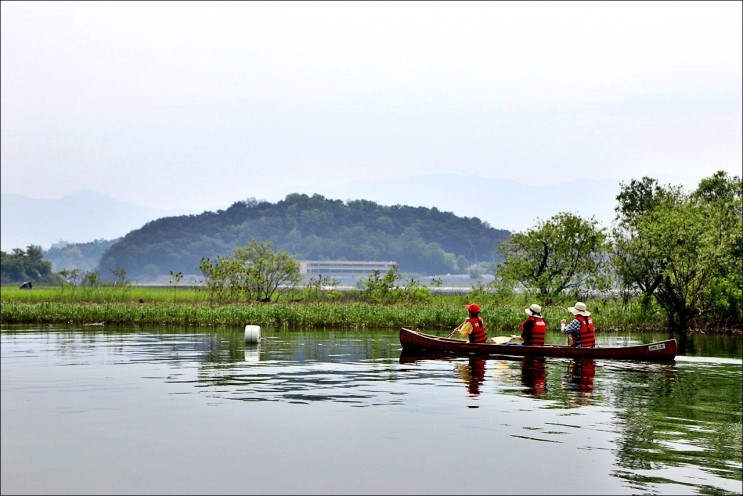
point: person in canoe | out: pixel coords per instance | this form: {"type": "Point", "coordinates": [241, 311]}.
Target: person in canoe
{"type": "Point", "coordinates": [473, 326]}
{"type": "Point", "coordinates": [534, 327]}
{"type": "Point", "coordinates": [580, 330]}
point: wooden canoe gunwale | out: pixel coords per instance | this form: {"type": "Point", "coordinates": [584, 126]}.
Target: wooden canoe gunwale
{"type": "Point", "coordinates": [414, 340]}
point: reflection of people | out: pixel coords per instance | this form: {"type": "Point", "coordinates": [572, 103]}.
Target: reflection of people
{"type": "Point", "coordinates": [533, 328]}
{"type": "Point", "coordinates": [477, 371]}
{"type": "Point", "coordinates": [580, 374]}
{"type": "Point", "coordinates": [580, 330]}
{"type": "Point", "coordinates": [473, 374]}
{"type": "Point", "coordinates": [533, 375]}
{"type": "Point", "coordinates": [473, 326]}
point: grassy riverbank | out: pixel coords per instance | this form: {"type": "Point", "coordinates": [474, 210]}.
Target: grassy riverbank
{"type": "Point", "coordinates": [187, 306]}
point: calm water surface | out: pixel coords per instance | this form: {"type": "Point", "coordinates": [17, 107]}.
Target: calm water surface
{"type": "Point", "coordinates": [125, 411]}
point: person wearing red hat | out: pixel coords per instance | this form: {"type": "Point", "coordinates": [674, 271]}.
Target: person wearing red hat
{"type": "Point", "coordinates": [473, 326]}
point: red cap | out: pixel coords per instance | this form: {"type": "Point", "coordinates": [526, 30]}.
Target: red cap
{"type": "Point", "coordinates": [473, 307]}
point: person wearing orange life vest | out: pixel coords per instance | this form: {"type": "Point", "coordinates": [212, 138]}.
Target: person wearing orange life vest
{"type": "Point", "coordinates": [534, 327]}
{"type": "Point", "coordinates": [580, 330]}
{"type": "Point", "coordinates": [473, 326]}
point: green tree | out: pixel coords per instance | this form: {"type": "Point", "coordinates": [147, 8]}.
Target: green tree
{"type": "Point", "coordinates": [216, 277]}
{"type": "Point", "coordinates": [685, 250]}
{"type": "Point", "coordinates": [73, 277]}
{"type": "Point", "coordinates": [634, 256]}
{"type": "Point", "coordinates": [721, 199]}
{"type": "Point", "coordinates": [175, 279]}
{"type": "Point", "coordinates": [317, 287]}
{"type": "Point", "coordinates": [255, 272]}
{"type": "Point", "coordinates": [91, 279]}
{"type": "Point", "coordinates": [266, 270]}
{"type": "Point", "coordinates": [380, 288]}
{"type": "Point", "coordinates": [26, 265]}
{"type": "Point", "coordinates": [564, 253]}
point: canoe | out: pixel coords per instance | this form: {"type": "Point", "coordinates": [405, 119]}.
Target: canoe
{"type": "Point", "coordinates": [419, 341]}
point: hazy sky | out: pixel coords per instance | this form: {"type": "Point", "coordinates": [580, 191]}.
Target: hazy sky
{"type": "Point", "coordinates": [190, 104]}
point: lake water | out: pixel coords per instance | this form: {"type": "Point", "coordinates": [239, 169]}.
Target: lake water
{"type": "Point", "coordinates": [183, 411]}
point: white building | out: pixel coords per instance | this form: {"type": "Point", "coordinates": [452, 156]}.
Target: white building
{"type": "Point", "coordinates": [343, 267]}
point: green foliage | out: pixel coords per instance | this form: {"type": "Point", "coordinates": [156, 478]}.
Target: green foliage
{"type": "Point", "coordinates": [175, 280]}
{"type": "Point", "coordinates": [255, 272]}
{"type": "Point", "coordinates": [681, 253]}
{"type": "Point", "coordinates": [418, 239]}
{"type": "Point", "coordinates": [20, 266]}
{"type": "Point", "coordinates": [380, 288]}
{"type": "Point", "coordinates": [73, 277]}
{"type": "Point", "coordinates": [81, 256]}
{"type": "Point", "coordinates": [91, 279]}
{"type": "Point", "coordinates": [635, 257]}
{"type": "Point", "coordinates": [565, 253]}
{"type": "Point", "coordinates": [384, 289]}
{"type": "Point", "coordinates": [321, 287]}
{"type": "Point", "coordinates": [266, 270]}
{"type": "Point", "coordinates": [191, 305]}
{"type": "Point", "coordinates": [684, 250]}
{"type": "Point", "coordinates": [120, 277]}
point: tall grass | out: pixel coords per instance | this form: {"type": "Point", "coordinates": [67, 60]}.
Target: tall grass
{"type": "Point", "coordinates": [190, 306]}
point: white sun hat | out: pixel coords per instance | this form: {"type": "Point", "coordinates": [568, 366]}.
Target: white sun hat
{"type": "Point", "coordinates": [579, 309]}
{"type": "Point", "coordinates": [534, 310]}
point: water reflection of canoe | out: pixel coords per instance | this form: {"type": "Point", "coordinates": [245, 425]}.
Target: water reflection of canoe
{"type": "Point", "coordinates": [414, 340]}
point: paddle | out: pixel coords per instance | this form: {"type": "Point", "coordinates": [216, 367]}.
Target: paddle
{"type": "Point", "coordinates": [505, 339]}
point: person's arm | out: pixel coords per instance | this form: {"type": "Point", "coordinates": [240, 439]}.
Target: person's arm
{"type": "Point", "coordinates": [465, 328]}
{"type": "Point", "coordinates": [572, 327]}
{"type": "Point", "coordinates": [528, 327]}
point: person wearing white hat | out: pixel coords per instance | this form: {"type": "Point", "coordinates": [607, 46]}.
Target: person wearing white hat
{"type": "Point", "coordinates": [534, 327]}
{"type": "Point", "coordinates": [580, 331]}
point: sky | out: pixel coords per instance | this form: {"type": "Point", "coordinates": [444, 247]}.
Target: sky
{"type": "Point", "coordinates": [200, 104]}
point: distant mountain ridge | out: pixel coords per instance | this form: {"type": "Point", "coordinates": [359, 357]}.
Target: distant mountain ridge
{"type": "Point", "coordinates": [87, 215]}
{"type": "Point", "coordinates": [78, 218]}
{"type": "Point", "coordinates": [420, 240]}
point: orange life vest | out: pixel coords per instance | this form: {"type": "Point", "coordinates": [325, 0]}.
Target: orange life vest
{"type": "Point", "coordinates": [478, 334]}
{"type": "Point", "coordinates": [538, 329]}
{"type": "Point", "coordinates": [586, 338]}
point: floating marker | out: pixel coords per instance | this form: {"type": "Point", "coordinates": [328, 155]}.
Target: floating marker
{"type": "Point", "coordinates": [252, 333]}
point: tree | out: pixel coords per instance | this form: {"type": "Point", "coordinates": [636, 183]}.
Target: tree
{"type": "Point", "coordinates": [634, 255]}
{"type": "Point", "coordinates": [29, 265]}
{"type": "Point", "coordinates": [565, 253]}
{"type": "Point", "coordinates": [266, 270]}
{"type": "Point", "coordinates": [255, 272]}
{"type": "Point", "coordinates": [675, 233]}
{"type": "Point", "coordinates": [382, 288]}
{"type": "Point", "coordinates": [73, 277]}
{"type": "Point", "coordinates": [686, 251]}
{"type": "Point", "coordinates": [721, 199]}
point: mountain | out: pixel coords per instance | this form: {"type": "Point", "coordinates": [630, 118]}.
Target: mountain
{"type": "Point", "coordinates": [88, 215]}
{"type": "Point", "coordinates": [418, 239]}
{"type": "Point", "coordinates": [81, 217]}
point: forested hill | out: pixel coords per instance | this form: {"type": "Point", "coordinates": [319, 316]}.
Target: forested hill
{"type": "Point", "coordinates": [420, 240]}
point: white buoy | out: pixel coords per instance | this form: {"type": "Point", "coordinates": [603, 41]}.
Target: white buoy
{"type": "Point", "coordinates": [252, 333]}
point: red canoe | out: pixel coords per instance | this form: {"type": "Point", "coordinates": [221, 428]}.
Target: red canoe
{"type": "Point", "coordinates": [415, 341]}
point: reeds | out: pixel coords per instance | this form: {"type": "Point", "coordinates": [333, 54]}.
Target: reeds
{"type": "Point", "coordinates": [186, 306]}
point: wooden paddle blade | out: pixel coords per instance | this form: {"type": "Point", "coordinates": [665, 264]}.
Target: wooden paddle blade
{"type": "Point", "coordinates": [501, 339]}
